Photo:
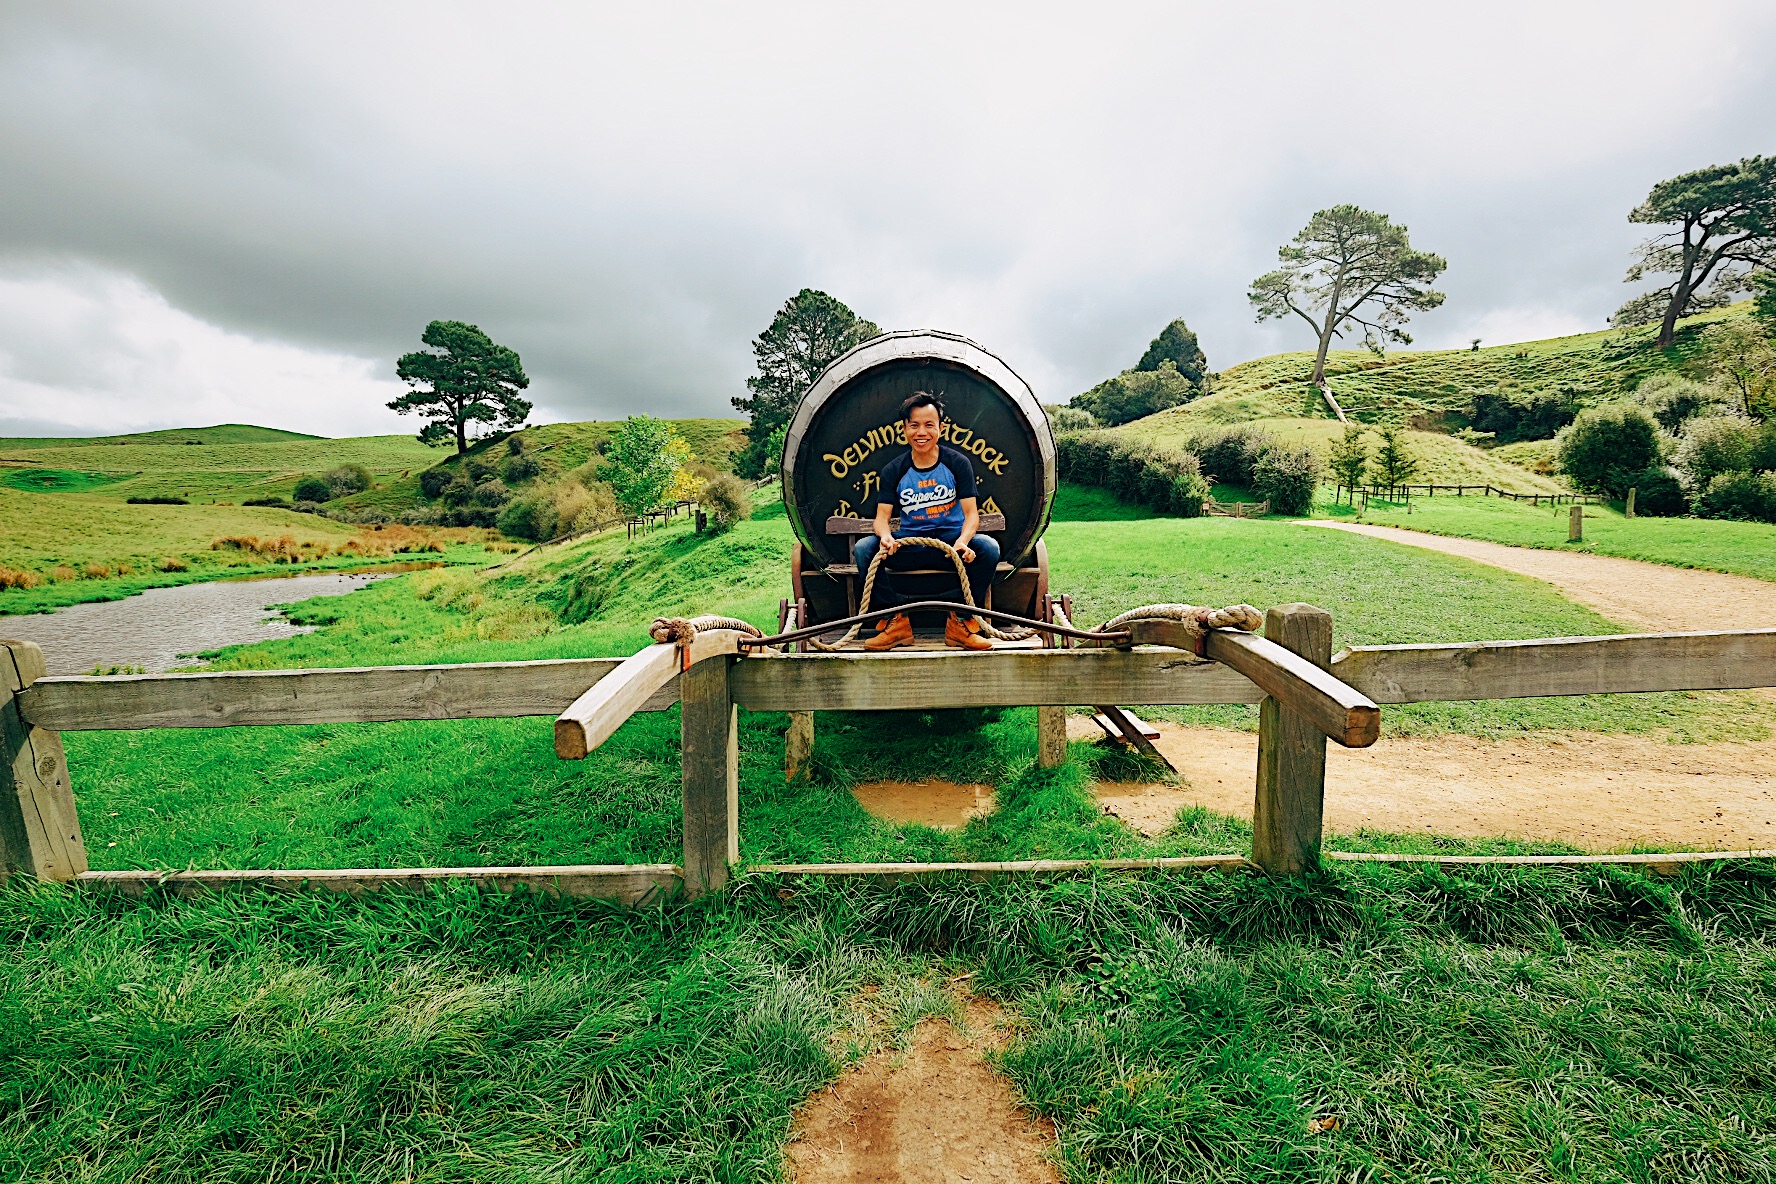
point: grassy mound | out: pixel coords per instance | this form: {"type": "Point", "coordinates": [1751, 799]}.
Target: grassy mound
{"type": "Point", "coordinates": [225, 433]}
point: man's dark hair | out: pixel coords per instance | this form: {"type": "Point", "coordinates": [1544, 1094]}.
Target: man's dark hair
{"type": "Point", "coordinates": [917, 400]}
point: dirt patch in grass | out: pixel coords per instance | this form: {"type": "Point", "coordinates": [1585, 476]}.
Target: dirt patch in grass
{"type": "Point", "coordinates": [932, 1112]}
{"type": "Point", "coordinates": [1596, 791]}
{"type": "Point", "coordinates": [944, 805]}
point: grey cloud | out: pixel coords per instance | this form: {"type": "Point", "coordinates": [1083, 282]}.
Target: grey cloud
{"type": "Point", "coordinates": [625, 196]}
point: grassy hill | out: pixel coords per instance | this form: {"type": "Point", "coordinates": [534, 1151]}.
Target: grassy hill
{"type": "Point", "coordinates": [1431, 391]}
{"type": "Point", "coordinates": [222, 433]}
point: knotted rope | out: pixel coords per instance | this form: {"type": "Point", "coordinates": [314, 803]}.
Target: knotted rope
{"type": "Point", "coordinates": [1197, 621]}
{"type": "Point", "coordinates": [869, 588]}
{"type": "Point", "coordinates": [680, 630]}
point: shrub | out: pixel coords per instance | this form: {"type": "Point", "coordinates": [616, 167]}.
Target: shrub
{"type": "Point", "coordinates": [12, 577]}
{"type": "Point", "coordinates": [171, 563]}
{"type": "Point", "coordinates": [1350, 457]}
{"type": "Point", "coordinates": [492, 492]}
{"type": "Point", "coordinates": [728, 502]}
{"type": "Point", "coordinates": [277, 502]}
{"type": "Point", "coordinates": [1167, 480]}
{"type": "Point", "coordinates": [1513, 413]}
{"type": "Point", "coordinates": [1606, 447]}
{"type": "Point", "coordinates": [520, 467]}
{"type": "Point", "coordinates": [1747, 497]}
{"type": "Point", "coordinates": [458, 492]}
{"type": "Point", "coordinates": [478, 470]}
{"type": "Point", "coordinates": [1135, 394]}
{"type": "Point", "coordinates": [160, 501]}
{"type": "Point", "coordinates": [1229, 456]}
{"type": "Point", "coordinates": [1395, 462]}
{"type": "Point", "coordinates": [348, 479]}
{"type": "Point", "coordinates": [1069, 419]}
{"type": "Point", "coordinates": [96, 571]}
{"type": "Point", "coordinates": [422, 516]}
{"type": "Point", "coordinates": [1715, 445]}
{"type": "Point", "coordinates": [531, 517]}
{"type": "Point", "coordinates": [1672, 400]}
{"type": "Point", "coordinates": [1286, 478]}
{"type": "Point", "coordinates": [432, 481]}
{"type": "Point", "coordinates": [61, 573]}
{"type": "Point", "coordinates": [313, 489]}
{"type": "Point", "coordinates": [515, 444]}
{"type": "Point", "coordinates": [1658, 494]}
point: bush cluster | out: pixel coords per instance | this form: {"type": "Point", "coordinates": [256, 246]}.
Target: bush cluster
{"type": "Point", "coordinates": [1230, 456]}
{"type": "Point", "coordinates": [1512, 413]}
{"type": "Point", "coordinates": [1167, 480]}
{"type": "Point", "coordinates": [1728, 466]}
{"type": "Point", "coordinates": [728, 502]}
{"type": "Point", "coordinates": [160, 501]}
{"type": "Point", "coordinates": [1744, 496]}
{"type": "Point", "coordinates": [1253, 459]}
{"type": "Point", "coordinates": [1607, 449]}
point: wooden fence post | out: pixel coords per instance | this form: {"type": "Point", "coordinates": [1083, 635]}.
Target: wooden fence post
{"type": "Point", "coordinates": [1575, 524]}
{"type": "Point", "coordinates": [1291, 793]}
{"type": "Point", "coordinates": [1628, 506]}
{"type": "Point", "coordinates": [798, 747]}
{"type": "Point", "coordinates": [39, 830]}
{"type": "Point", "coordinates": [710, 739]}
{"type": "Point", "coordinates": [1051, 737]}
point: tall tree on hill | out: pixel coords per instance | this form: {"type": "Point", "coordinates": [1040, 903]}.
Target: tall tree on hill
{"type": "Point", "coordinates": [807, 334]}
{"type": "Point", "coordinates": [644, 459]}
{"type": "Point", "coordinates": [1721, 223]}
{"type": "Point", "coordinates": [1349, 267]}
{"type": "Point", "coordinates": [464, 378]}
{"type": "Point", "coordinates": [1177, 344]}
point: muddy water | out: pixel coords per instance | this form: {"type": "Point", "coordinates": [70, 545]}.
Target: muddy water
{"type": "Point", "coordinates": [160, 628]}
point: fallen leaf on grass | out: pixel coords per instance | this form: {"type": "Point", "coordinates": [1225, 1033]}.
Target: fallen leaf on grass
{"type": "Point", "coordinates": [1319, 1126]}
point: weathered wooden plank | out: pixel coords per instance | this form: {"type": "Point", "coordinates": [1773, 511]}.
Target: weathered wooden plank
{"type": "Point", "coordinates": [39, 827]}
{"type": "Point", "coordinates": [982, 871]}
{"type": "Point", "coordinates": [591, 719]}
{"type": "Point", "coordinates": [1342, 712]}
{"type": "Point", "coordinates": [1291, 791]}
{"type": "Point", "coordinates": [989, 523]}
{"type": "Point", "coordinates": [798, 747]}
{"type": "Point", "coordinates": [1004, 678]}
{"type": "Point", "coordinates": [1051, 737]}
{"type": "Point", "coordinates": [710, 743]}
{"type": "Point", "coordinates": [635, 883]}
{"type": "Point", "coordinates": [1635, 662]}
{"type": "Point", "coordinates": [1654, 860]}
{"type": "Point", "coordinates": [371, 694]}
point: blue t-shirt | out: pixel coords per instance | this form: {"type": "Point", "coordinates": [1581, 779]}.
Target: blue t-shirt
{"type": "Point", "coordinates": [929, 500]}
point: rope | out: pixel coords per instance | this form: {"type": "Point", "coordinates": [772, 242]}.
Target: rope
{"type": "Point", "coordinates": [1196, 621]}
{"type": "Point", "coordinates": [680, 630]}
{"type": "Point", "coordinates": [924, 606]}
{"type": "Point", "coordinates": [869, 588]}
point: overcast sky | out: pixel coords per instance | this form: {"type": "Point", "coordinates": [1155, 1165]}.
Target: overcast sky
{"type": "Point", "coordinates": [245, 212]}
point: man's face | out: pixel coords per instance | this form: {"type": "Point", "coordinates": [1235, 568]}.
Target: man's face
{"type": "Point", "coordinates": [923, 427]}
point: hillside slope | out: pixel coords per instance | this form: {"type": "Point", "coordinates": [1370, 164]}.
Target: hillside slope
{"type": "Point", "coordinates": [222, 433]}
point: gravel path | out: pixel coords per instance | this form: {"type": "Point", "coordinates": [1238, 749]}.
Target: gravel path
{"type": "Point", "coordinates": [1652, 596]}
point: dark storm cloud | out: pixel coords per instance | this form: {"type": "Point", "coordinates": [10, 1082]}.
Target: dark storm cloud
{"type": "Point", "coordinates": [625, 196]}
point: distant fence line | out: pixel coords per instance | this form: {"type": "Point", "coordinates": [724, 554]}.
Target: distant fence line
{"type": "Point", "coordinates": [1406, 492]}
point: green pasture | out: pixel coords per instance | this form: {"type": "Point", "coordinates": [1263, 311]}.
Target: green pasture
{"type": "Point", "coordinates": [1739, 548]}
{"type": "Point", "coordinates": [226, 433]}
{"type": "Point", "coordinates": [1494, 1024]}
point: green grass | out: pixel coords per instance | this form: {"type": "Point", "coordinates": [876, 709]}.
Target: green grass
{"type": "Point", "coordinates": [32, 480]}
{"type": "Point", "coordinates": [1740, 548]}
{"type": "Point", "coordinates": [1585, 1025]}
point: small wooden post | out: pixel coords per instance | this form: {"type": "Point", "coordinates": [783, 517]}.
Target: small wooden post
{"type": "Point", "coordinates": [39, 829]}
{"type": "Point", "coordinates": [709, 735]}
{"type": "Point", "coordinates": [798, 747]}
{"type": "Point", "coordinates": [1291, 793]}
{"type": "Point", "coordinates": [1575, 524]}
{"type": "Point", "coordinates": [1051, 737]}
{"type": "Point", "coordinates": [1628, 507]}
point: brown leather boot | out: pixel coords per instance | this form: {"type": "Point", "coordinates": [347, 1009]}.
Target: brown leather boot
{"type": "Point", "coordinates": [898, 631]}
{"type": "Point", "coordinates": [965, 637]}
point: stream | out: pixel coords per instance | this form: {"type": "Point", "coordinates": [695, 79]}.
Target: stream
{"type": "Point", "coordinates": [160, 628]}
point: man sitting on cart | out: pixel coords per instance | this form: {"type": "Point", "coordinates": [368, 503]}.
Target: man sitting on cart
{"type": "Point", "coordinates": [931, 487]}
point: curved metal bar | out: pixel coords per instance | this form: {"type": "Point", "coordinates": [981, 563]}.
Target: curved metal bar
{"type": "Point", "coordinates": [1114, 637]}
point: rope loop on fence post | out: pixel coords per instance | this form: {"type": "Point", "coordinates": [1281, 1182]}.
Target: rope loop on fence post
{"type": "Point", "coordinates": [869, 588]}
{"type": "Point", "coordinates": [1197, 621]}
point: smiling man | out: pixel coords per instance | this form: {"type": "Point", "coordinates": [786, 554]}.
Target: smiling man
{"type": "Point", "coordinates": [931, 487]}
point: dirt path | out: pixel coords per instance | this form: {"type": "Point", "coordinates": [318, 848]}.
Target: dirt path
{"type": "Point", "coordinates": [1600, 792]}
{"type": "Point", "coordinates": [1651, 596]}
{"type": "Point", "coordinates": [935, 1112]}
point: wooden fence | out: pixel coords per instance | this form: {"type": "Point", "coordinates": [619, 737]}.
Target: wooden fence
{"type": "Point", "coordinates": [1306, 696]}
{"type": "Point", "coordinates": [1406, 492]}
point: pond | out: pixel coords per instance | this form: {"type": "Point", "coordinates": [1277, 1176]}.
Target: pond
{"type": "Point", "coordinates": [160, 628]}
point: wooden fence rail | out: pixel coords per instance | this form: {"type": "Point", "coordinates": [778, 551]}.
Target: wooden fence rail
{"type": "Point", "coordinates": [1307, 696]}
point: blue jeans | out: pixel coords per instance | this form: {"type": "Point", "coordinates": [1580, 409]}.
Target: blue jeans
{"type": "Point", "coordinates": [981, 573]}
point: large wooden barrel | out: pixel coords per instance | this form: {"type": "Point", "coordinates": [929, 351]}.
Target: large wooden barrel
{"type": "Point", "coordinates": [848, 426]}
